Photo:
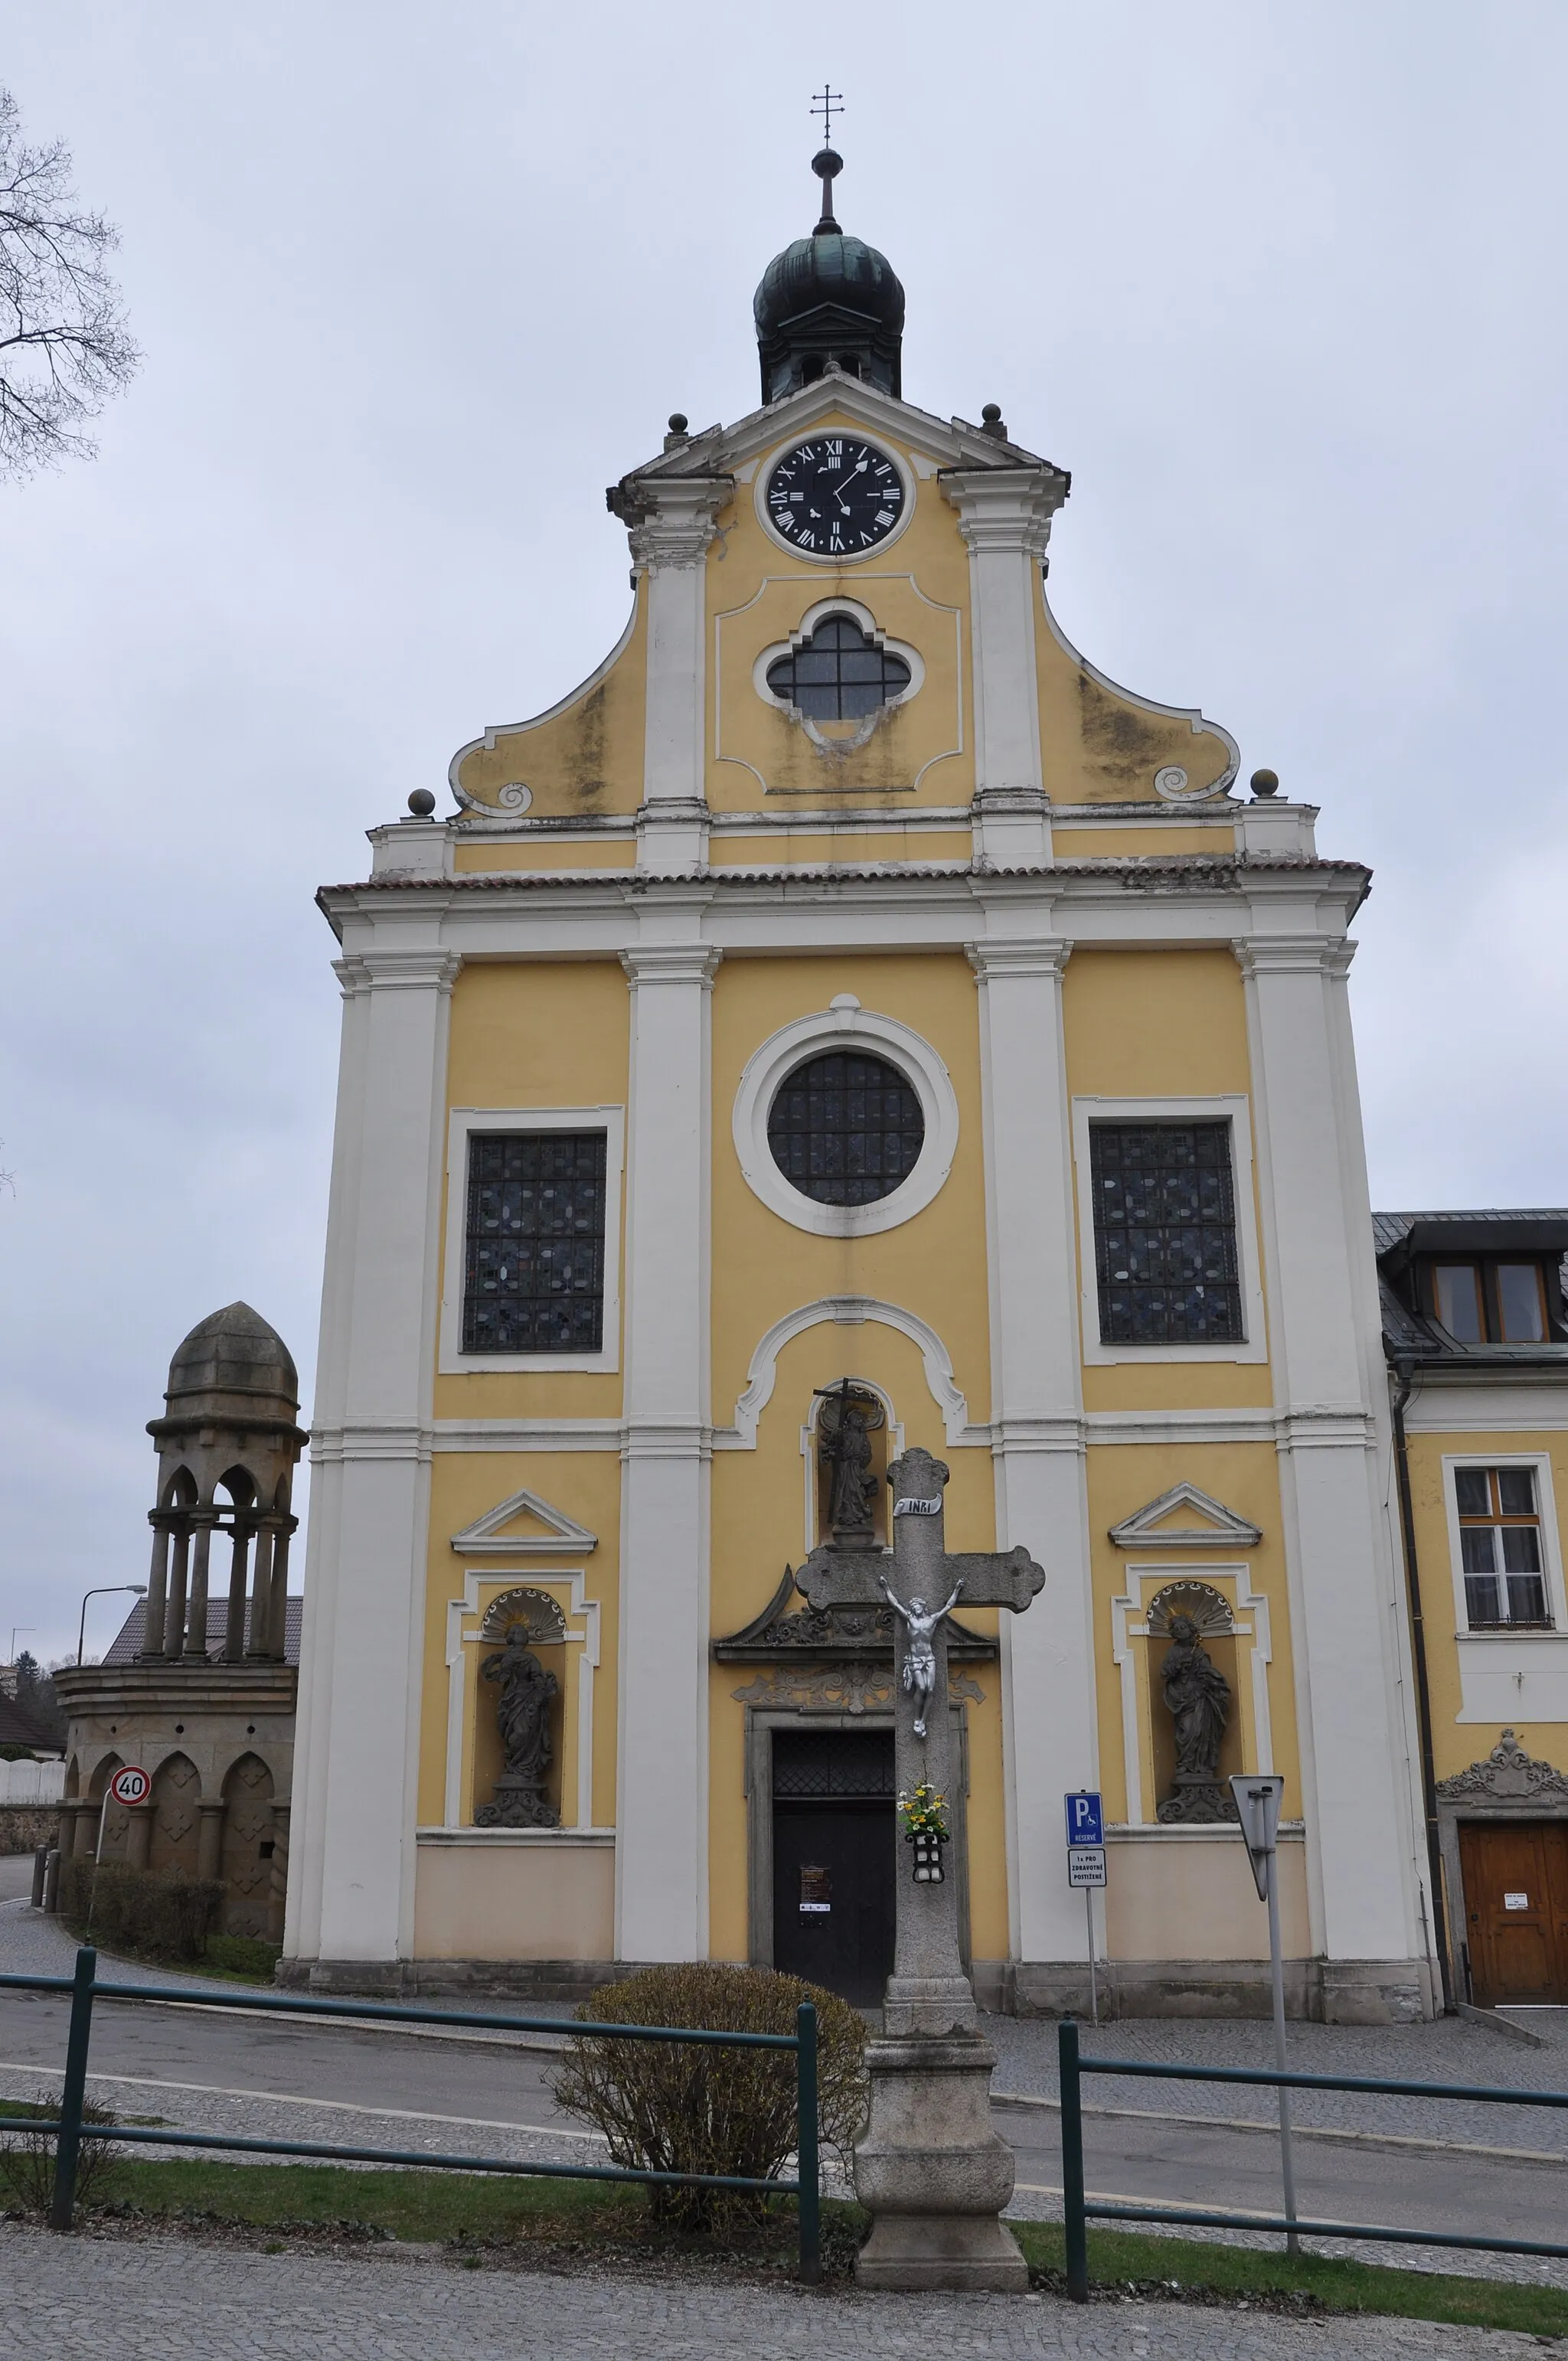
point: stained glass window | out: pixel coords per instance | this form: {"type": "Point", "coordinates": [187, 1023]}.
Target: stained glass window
{"type": "Point", "coordinates": [533, 1276]}
{"type": "Point", "coordinates": [839, 674]}
{"type": "Point", "coordinates": [1165, 1234]}
{"type": "Point", "coordinates": [846, 1130]}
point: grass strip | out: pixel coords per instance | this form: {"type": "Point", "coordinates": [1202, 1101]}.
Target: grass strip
{"type": "Point", "coordinates": [1131, 2260]}
{"type": "Point", "coordinates": [476, 2210]}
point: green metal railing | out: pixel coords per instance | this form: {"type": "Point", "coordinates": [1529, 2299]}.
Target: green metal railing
{"type": "Point", "coordinates": [70, 2130]}
{"type": "Point", "coordinates": [1077, 2208]}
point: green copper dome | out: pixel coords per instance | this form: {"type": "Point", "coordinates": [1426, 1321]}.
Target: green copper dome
{"type": "Point", "coordinates": [826, 298]}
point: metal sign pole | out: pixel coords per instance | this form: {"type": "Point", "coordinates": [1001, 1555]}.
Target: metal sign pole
{"type": "Point", "coordinates": [1276, 1970]}
{"type": "Point", "coordinates": [1086, 1868]}
{"type": "Point", "coordinates": [1259, 1799]}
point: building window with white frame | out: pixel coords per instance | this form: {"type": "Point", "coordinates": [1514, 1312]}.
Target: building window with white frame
{"type": "Point", "coordinates": [1500, 1548]}
{"type": "Point", "coordinates": [533, 1278]}
{"type": "Point", "coordinates": [1165, 1256]}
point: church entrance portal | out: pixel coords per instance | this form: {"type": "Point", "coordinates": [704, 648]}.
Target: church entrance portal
{"type": "Point", "coordinates": [835, 1851]}
{"type": "Point", "coordinates": [1515, 1906]}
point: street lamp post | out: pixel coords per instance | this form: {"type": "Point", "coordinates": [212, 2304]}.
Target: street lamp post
{"type": "Point", "coordinates": [101, 1591]}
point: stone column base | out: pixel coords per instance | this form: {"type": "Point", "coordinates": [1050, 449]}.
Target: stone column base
{"type": "Point", "coordinates": [933, 2173]}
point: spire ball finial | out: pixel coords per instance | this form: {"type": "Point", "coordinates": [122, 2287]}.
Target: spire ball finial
{"type": "Point", "coordinates": [827, 166]}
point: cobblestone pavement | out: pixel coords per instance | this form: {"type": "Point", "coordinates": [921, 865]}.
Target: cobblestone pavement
{"type": "Point", "coordinates": [120, 2300]}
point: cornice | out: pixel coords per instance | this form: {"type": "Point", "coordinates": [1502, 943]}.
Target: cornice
{"type": "Point", "coordinates": [996, 958]}
{"type": "Point", "coordinates": [213, 1687]}
{"type": "Point", "coordinates": [1004, 510]}
{"type": "Point", "coordinates": [1144, 872]}
{"type": "Point", "coordinates": [650, 963]}
{"type": "Point", "coordinates": [671, 521]}
{"type": "Point", "coordinates": [1315, 954]}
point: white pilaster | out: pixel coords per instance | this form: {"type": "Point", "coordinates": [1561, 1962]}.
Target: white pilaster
{"type": "Point", "coordinates": [1004, 515]}
{"type": "Point", "coordinates": [351, 1866]}
{"type": "Point", "coordinates": [1324, 1347]}
{"type": "Point", "coordinates": [662, 1668]}
{"type": "Point", "coordinates": [670, 542]}
{"type": "Point", "coordinates": [1036, 1403]}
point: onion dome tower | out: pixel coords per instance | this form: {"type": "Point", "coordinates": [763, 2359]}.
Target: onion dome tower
{"type": "Point", "coordinates": [828, 298]}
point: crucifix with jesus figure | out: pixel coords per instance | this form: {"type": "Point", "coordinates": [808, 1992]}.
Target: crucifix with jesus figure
{"type": "Point", "coordinates": [929, 1994]}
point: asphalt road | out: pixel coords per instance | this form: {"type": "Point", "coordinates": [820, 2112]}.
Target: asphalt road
{"type": "Point", "coordinates": [16, 1875]}
{"type": "Point", "coordinates": [1144, 2159]}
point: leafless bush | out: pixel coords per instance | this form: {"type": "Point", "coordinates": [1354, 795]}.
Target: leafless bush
{"type": "Point", "coordinates": [671, 2108]}
{"type": "Point", "coordinates": [28, 2156]}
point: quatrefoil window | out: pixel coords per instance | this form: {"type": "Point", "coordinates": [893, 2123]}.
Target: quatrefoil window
{"type": "Point", "coordinates": [838, 672]}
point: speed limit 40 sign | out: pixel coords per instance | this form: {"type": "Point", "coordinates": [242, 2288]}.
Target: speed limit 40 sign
{"type": "Point", "coordinates": [130, 1784]}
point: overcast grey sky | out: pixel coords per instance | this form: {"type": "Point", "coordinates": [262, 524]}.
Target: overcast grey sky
{"type": "Point", "coordinates": [1281, 285]}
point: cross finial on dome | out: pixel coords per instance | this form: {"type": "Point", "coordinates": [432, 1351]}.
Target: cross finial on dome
{"type": "Point", "coordinates": [827, 103]}
{"type": "Point", "coordinates": [827, 164]}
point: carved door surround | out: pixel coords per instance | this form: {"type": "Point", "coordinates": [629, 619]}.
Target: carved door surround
{"type": "Point", "coordinates": [832, 1669]}
{"type": "Point", "coordinates": [1508, 1785]}
{"type": "Point", "coordinates": [769, 1706]}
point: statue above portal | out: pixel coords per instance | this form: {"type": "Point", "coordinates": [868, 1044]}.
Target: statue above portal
{"type": "Point", "coordinates": [846, 1423]}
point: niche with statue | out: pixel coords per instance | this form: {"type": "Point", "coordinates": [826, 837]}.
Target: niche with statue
{"type": "Point", "coordinates": [851, 1429]}
{"type": "Point", "coordinates": [519, 1705]}
{"type": "Point", "coordinates": [1192, 1703]}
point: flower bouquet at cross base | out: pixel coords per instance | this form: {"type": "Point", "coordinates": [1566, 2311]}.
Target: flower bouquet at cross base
{"type": "Point", "coordinates": [923, 1815]}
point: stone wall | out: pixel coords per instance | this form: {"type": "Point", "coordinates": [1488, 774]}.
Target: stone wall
{"type": "Point", "coordinates": [25, 1825]}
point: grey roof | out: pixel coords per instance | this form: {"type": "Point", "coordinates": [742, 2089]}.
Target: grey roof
{"type": "Point", "coordinates": [1492, 1229]}
{"type": "Point", "coordinates": [1492, 1221]}
{"type": "Point", "coordinates": [21, 1725]}
{"type": "Point", "coordinates": [125, 1646]}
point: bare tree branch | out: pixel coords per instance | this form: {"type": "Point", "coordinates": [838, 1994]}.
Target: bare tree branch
{"type": "Point", "coordinates": [64, 346]}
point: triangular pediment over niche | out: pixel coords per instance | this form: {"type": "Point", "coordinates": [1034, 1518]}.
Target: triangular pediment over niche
{"type": "Point", "coordinates": [1184, 1518]}
{"type": "Point", "coordinates": [521, 1526]}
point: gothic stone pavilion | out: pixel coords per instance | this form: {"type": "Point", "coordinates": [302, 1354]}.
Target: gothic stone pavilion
{"type": "Point", "coordinates": [850, 1021]}
{"type": "Point", "coordinates": [199, 1687]}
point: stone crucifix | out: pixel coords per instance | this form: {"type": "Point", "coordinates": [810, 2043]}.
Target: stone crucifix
{"type": "Point", "coordinates": [928, 1993]}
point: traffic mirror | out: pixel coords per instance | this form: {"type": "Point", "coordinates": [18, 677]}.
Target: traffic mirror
{"type": "Point", "coordinates": [1258, 1795]}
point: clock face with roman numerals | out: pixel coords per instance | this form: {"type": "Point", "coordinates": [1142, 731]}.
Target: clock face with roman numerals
{"type": "Point", "coordinates": [835, 496]}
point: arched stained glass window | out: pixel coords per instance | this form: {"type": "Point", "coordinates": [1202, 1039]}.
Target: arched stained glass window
{"type": "Point", "coordinates": [846, 1130]}
{"type": "Point", "coordinates": [840, 674]}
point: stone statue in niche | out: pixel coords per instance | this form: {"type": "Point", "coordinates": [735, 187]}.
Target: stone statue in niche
{"type": "Point", "coordinates": [846, 1423]}
{"type": "Point", "coordinates": [523, 1717]}
{"type": "Point", "coordinates": [1198, 1698]}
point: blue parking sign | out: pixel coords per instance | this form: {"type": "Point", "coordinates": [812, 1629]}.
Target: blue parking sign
{"type": "Point", "coordinates": [1085, 1818]}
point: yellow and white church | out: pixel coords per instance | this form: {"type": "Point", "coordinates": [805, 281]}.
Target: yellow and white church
{"type": "Point", "coordinates": [848, 999]}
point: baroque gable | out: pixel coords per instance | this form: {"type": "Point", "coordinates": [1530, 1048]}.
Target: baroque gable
{"type": "Point", "coordinates": [1203, 1523]}
{"type": "Point", "coordinates": [487, 1536]}
{"type": "Point", "coordinates": [1507, 1776]}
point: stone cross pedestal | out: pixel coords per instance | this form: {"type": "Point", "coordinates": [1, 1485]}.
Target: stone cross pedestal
{"type": "Point", "coordinates": [929, 2167]}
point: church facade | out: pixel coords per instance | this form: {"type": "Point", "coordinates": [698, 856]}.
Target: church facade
{"type": "Point", "coordinates": [850, 1021]}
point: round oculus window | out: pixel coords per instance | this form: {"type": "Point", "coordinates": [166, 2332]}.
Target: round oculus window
{"type": "Point", "coordinates": [846, 1130]}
